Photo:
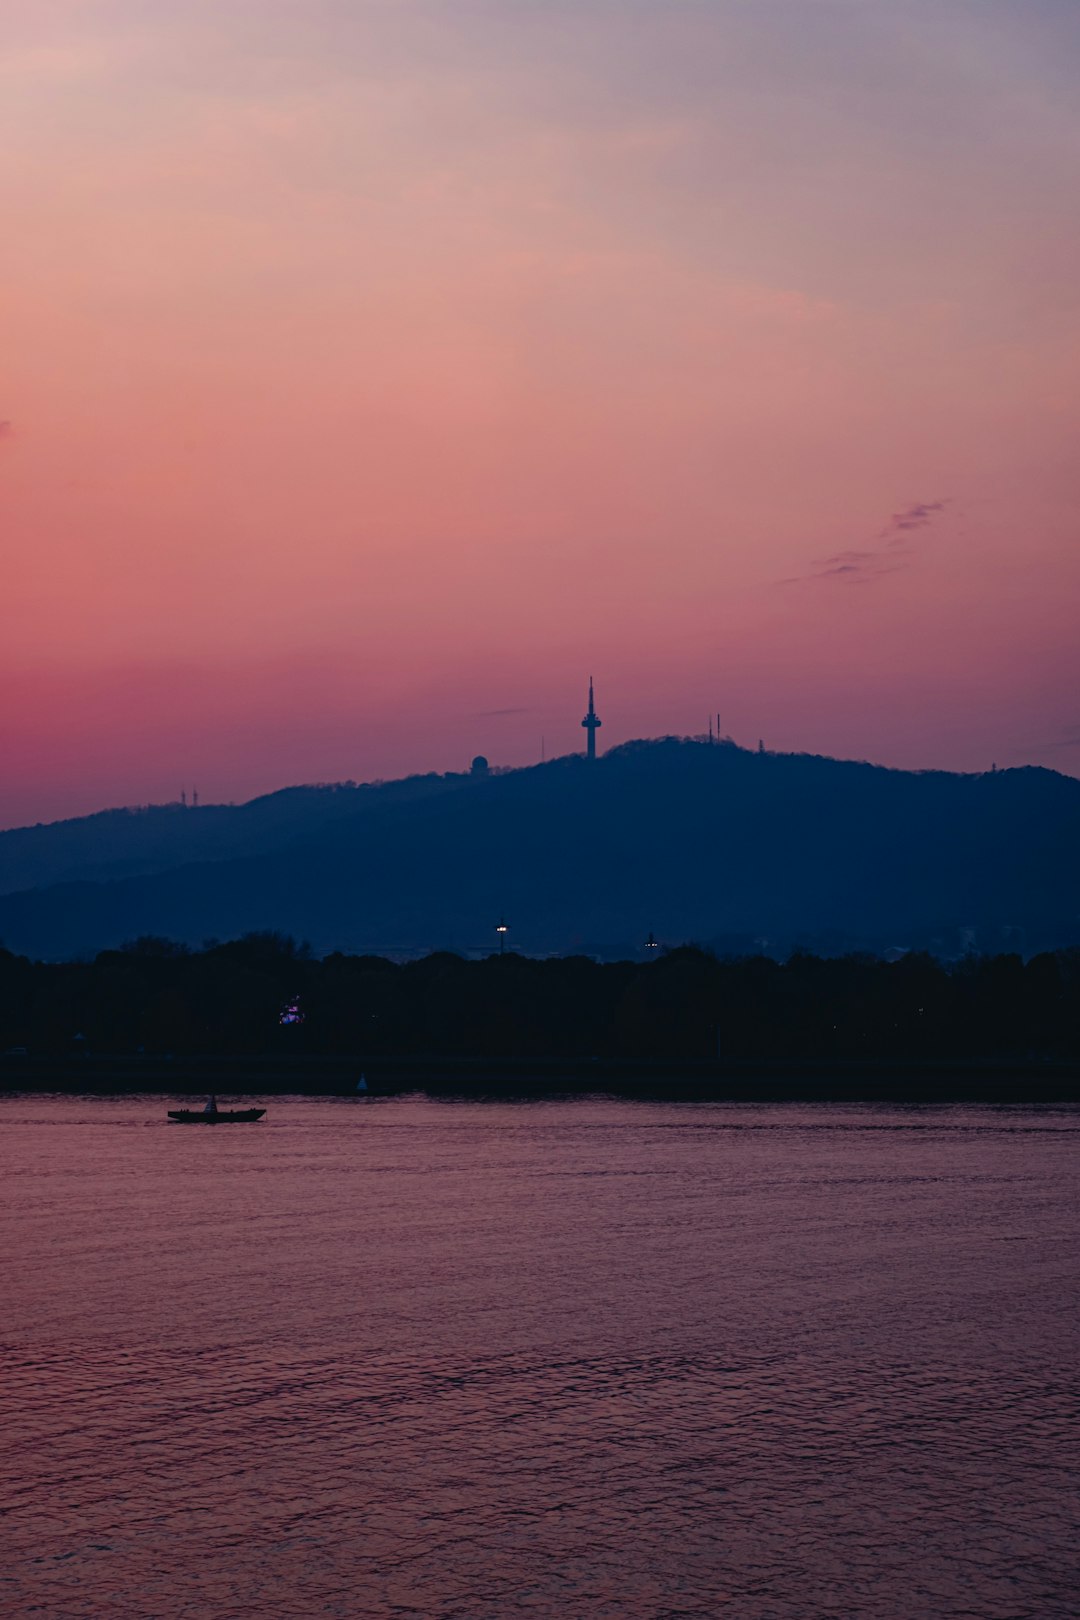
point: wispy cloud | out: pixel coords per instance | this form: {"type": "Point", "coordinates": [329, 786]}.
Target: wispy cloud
{"type": "Point", "coordinates": [1069, 737]}
{"type": "Point", "coordinates": [915, 516]}
{"type": "Point", "coordinates": [6, 430]}
{"type": "Point", "coordinates": [886, 554]}
{"type": "Point", "coordinates": [845, 560]}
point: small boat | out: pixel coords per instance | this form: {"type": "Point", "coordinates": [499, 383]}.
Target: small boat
{"type": "Point", "coordinates": [213, 1115]}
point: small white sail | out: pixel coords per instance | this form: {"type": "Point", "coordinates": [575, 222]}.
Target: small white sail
{"type": "Point", "coordinates": [211, 1106]}
{"type": "Point", "coordinates": [361, 1084]}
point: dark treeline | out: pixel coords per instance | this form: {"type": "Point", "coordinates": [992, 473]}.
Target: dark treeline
{"type": "Point", "coordinates": [228, 999]}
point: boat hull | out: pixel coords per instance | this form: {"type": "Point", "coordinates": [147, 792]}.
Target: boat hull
{"type": "Point", "coordinates": [233, 1116]}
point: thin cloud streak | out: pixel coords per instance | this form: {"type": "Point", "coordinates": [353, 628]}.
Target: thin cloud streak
{"type": "Point", "coordinates": [1069, 738]}
{"type": "Point", "coordinates": [915, 516]}
{"type": "Point", "coordinates": [889, 554]}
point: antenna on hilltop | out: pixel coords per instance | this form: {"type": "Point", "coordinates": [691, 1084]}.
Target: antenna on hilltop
{"type": "Point", "coordinates": [592, 723]}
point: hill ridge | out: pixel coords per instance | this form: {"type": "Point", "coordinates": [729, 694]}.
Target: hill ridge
{"type": "Point", "coordinates": [695, 841]}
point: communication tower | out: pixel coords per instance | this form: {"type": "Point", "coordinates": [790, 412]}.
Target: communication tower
{"type": "Point", "coordinates": [591, 722]}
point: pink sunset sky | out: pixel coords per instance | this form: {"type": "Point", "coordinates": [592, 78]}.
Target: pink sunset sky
{"type": "Point", "coordinates": [373, 371]}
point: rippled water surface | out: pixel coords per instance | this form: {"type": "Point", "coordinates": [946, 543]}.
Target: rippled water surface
{"type": "Point", "coordinates": [579, 1357]}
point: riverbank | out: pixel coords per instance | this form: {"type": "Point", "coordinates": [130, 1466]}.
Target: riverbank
{"type": "Point", "coordinates": [975, 1080]}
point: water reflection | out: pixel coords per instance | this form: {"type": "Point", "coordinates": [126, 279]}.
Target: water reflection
{"type": "Point", "coordinates": [592, 1357]}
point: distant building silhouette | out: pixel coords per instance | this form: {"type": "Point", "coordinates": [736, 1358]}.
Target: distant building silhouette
{"type": "Point", "coordinates": [591, 723]}
{"type": "Point", "coordinates": [479, 766]}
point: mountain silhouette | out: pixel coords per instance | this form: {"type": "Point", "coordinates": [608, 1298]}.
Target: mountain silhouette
{"type": "Point", "coordinates": [700, 842]}
{"type": "Point", "coordinates": [153, 838]}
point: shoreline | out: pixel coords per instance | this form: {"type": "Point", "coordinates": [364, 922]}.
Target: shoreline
{"type": "Point", "coordinates": [966, 1080]}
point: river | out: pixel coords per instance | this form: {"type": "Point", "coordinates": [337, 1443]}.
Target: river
{"type": "Point", "coordinates": [569, 1357]}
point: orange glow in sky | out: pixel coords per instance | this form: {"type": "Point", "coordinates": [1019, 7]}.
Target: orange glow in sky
{"type": "Point", "coordinates": [372, 373]}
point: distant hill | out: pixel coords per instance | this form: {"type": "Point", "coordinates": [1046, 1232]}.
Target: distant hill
{"type": "Point", "coordinates": [156, 837]}
{"type": "Point", "coordinates": [698, 842]}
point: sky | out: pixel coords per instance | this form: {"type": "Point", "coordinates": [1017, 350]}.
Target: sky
{"type": "Point", "coordinates": [374, 371]}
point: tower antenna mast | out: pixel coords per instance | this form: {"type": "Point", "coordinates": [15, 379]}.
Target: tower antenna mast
{"type": "Point", "coordinates": [592, 723]}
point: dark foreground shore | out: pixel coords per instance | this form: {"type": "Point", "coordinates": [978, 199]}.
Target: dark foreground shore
{"type": "Point", "coordinates": [978, 1080]}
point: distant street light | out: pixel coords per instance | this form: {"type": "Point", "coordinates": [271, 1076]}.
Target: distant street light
{"type": "Point", "coordinates": [502, 929]}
